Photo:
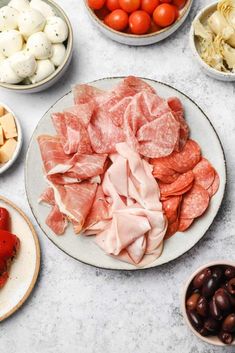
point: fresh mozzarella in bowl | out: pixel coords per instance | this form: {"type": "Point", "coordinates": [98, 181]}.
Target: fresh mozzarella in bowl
{"type": "Point", "coordinates": [58, 54]}
{"type": "Point", "coordinates": [7, 74]}
{"type": "Point", "coordinates": [44, 69]}
{"type": "Point", "coordinates": [41, 6]}
{"type": "Point", "coordinates": [10, 42]}
{"type": "Point", "coordinates": [39, 45]}
{"type": "Point", "coordinates": [8, 18]}
{"type": "Point", "coordinates": [30, 21]}
{"type": "Point", "coordinates": [56, 29]}
{"type": "Point", "coordinates": [19, 5]}
{"type": "Point", "coordinates": [23, 64]}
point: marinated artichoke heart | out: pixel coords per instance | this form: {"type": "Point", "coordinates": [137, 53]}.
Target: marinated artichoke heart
{"type": "Point", "coordinates": [227, 9]}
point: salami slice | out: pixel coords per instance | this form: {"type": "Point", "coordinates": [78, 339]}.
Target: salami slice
{"type": "Point", "coordinates": [172, 229]}
{"type": "Point", "coordinates": [179, 187]}
{"type": "Point", "coordinates": [130, 86]}
{"type": "Point", "coordinates": [215, 186]}
{"type": "Point", "coordinates": [164, 174]}
{"type": "Point", "coordinates": [204, 173]}
{"type": "Point", "coordinates": [184, 224]}
{"type": "Point", "coordinates": [195, 202]}
{"type": "Point", "coordinates": [175, 104]}
{"type": "Point", "coordinates": [171, 208]}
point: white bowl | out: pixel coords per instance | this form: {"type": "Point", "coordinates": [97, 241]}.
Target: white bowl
{"type": "Point", "coordinates": [214, 340]}
{"type": "Point", "coordinates": [5, 166]}
{"type": "Point", "coordinates": [138, 40]}
{"type": "Point", "coordinates": [58, 73]}
{"type": "Point", "coordinates": [203, 15]}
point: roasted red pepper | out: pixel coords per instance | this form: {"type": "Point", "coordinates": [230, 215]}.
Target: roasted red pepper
{"type": "Point", "coordinates": [4, 219]}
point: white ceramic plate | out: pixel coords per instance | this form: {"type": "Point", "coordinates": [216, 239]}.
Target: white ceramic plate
{"type": "Point", "coordinates": [25, 267]}
{"type": "Point", "coordinates": [83, 248]}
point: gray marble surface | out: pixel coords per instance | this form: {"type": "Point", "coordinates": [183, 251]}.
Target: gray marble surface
{"type": "Point", "coordinates": [77, 308]}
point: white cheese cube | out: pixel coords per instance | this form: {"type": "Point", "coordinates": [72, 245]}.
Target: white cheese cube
{"type": "Point", "coordinates": [7, 150]}
{"type": "Point", "coordinates": [8, 124]}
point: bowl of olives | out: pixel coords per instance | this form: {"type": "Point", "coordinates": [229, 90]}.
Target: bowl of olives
{"type": "Point", "coordinates": [208, 303]}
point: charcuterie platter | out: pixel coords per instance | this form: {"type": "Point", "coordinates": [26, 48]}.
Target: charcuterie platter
{"type": "Point", "coordinates": [84, 248]}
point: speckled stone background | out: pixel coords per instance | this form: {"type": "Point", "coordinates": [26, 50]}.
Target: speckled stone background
{"type": "Point", "coordinates": [77, 308]}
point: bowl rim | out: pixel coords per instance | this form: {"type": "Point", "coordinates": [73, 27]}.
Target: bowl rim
{"type": "Point", "coordinates": [69, 49]}
{"type": "Point", "coordinates": [183, 13]}
{"type": "Point", "coordinates": [6, 166]}
{"type": "Point", "coordinates": [183, 300]}
{"type": "Point", "coordinates": [193, 47]}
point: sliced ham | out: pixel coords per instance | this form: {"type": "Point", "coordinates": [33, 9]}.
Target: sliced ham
{"type": "Point", "coordinates": [48, 196]}
{"type": "Point", "coordinates": [56, 221]}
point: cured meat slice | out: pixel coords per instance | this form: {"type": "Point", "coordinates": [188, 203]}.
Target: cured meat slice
{"type": "Point", "coordinates": [184, 224]}
{"type": "Point", "coordinates": [164, 174]}
{"type": "Point", "coordinates": [73, 133]}
{"type": "Point", "coordinates": [53, 156]}
{"type": "Point", "coordinates": [104, 135]}
{"type": "Point", "coordinates": [117, 111]}
{"type": "Point", "coordinates": [178, 187]}
{"type": "Point", "coordinates": [195, 202]}
{"type": "Point", "coordinates": [56, 221]}
{"type": "Point", "coordinates": [75, 201]}
{"type": "Point", "coordinates": [178, 112]}
{"type": "Point", "coordinates": [175, 104]}
{"type": "Point", "coordinates": [159, 137]}
{"type": "Point", "coordinates": [137, 249]}
{"type": "Point", "coordinates": [172, 229]}
{"type": "Point", "coordinates": [82, 111]}
{"type": "Point", "coordinates": [204, 173]}
{"type": "Point", "coordinates": [171, 208]}
{"type": "Point", "coordinates": [99, 210]}
{"type": "Point", "coordinates": [87, 166]}
{"type": "Point", "coordinates": [212, 190]}
{"type": "Point", "coordinates": [130, 86]}
{"type": "Point", "coordinates": [48, 196]}
{"type": "Point", "coordinates": [85, 93]}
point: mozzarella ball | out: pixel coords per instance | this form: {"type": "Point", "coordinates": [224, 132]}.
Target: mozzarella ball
{"type": "Point", "coordinates": [45, 9]}
{"type": "Point", "coordinates": [8, 18]}
{"type": "Point", "coordinates": [39, 45]}
{"type": "Point", "coordinates": [30, 21]}
{"type": "Point", "coordinates": [56, 29]}
{"type": "Point", "coordinates": [19, 5]}
{"type": "Point", "coordinates": [44, 69]}
{"type": "Point", "coordinates": [7, 75]}
{"type": "Point", "coordinates": [10, 42]}
{"type": "Point", "coordinates": [58, 54]}
{"type": "Point", "coordinates": [23, 63]}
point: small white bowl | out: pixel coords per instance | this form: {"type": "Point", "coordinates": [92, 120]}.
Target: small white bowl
{"type": "Point", "coordinates": [138, 40]}
{"type": "Point", "coordinates": [214, 340]}
{"type": "Point", "coordinates": [5, 166]}
{"type": "Point", "coordinates": [203, 15]}
{"type": "Point", "coordinates": [59, 72]}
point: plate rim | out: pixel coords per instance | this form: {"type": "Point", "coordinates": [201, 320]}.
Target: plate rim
{"type": "Point", "coordinates": [38, 260]}
{"type": "Point", "coordinates": [134, 268]}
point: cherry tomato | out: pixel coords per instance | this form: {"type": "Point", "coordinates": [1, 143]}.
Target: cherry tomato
{"type": "Point", "coordinates": [154, 27]}
{"type": "Point", "coordinates": [118, 20]}
{"type": "Point", "coordinates": [4, 219]}
{"type": "Point", "coordinates": [166, 1]}
{"type": "Point", "coordinates": [112, 5]}
{"type": "Point", "coordinates": [149, 5]}
{"type": "Point", "coordinates": [102, 13]}
{"type": "Point", "coordinates": [164, 15]}
{"type": "Point", "coordinates": [139, 22]}
{"type": "Point", "coordinates": [177, 13]}
{"type": "Point", "coordinates": [129, 5]}
{"type": "Point", "coordinates": [179, 3]}
{"type": "Point", "coordinates": [96, 4]}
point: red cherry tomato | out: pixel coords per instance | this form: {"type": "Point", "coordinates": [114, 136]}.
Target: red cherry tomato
{"type": "Point", "coordinates": [4, 219]}
{"type": "Point", "coordinates": [166, 1]}
{"type": "Point", "coordinates": [164, 15]}
{"type": "Point", "coordinates": [149, 5]}
{"type": "Point", "coordinates": [129, 5]}
{"type": "Point", "coordinates": [112, 5]}
{"type": "Point", "coordinates": [179, 3]}
{"type": "Point", "coordinates": [102, 13]}
{"type": "Point", "coordinates": [139, 22]}
{"type": "Point", "coordinates": [177, 13]}
{"type": "Point", "coordinates": [154, 27]}
{"type": "Point", "coordinates": [118, 20]}
{"type": "Point", "coordinates": [96, 4]}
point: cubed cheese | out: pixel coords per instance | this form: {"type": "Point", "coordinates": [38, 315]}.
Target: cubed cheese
{"type": "Point", "coordinates": [7, 122]}
{"type": "Point", "coordinates": [2, 110]}
{"type": "Point", "coordinates": [1, 136]}
{"type": "Point", "coordinates": [7, 150]}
